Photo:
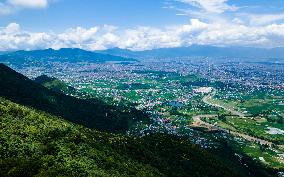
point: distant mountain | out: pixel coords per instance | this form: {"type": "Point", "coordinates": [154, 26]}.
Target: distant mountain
{"type": "Point", "coordinates": [202, 51]}
{"type": "Point", "coordinates": [122, 52]}
{"type": "Point", "coordinates": [117, 54]}
{"type": "Point", "coordinates": [90, 113]}
{"type": "Point", "coordinates": [62, 55]}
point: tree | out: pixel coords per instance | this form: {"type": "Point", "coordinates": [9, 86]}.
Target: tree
{"type": "Point", "coordinates": [222, 118]}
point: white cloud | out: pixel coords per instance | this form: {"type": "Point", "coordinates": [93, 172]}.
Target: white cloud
{"type": "Point", "coordinates": [29, 3]}
{"type": "Point", "coordinates": [12, 28]}
{"type": "Point", "coordinates": [9, 6]}
{"type": "Point", "coordinates": [78, 35]}
{"type": "Point", "coordinates": [264, 19]}
{"type": "Point", "coordinates": [12, 37]}
{"type": "Point", "coordinates": [211, 6]}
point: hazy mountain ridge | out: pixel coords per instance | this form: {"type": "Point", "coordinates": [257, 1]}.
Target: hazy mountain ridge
{"type": "Point", "coordinates": [61, 55]}
{"type": "Point", "coordinates": [203, 51]}
{"type": "Point", "coordinates": [274, 55]}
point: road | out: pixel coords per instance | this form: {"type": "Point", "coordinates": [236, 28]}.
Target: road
{"type": "Point", "coordinates": [207, 99]}
{"type": "Point", "coordinates": [198, 122]}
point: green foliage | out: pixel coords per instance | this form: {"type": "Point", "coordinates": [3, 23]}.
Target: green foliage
{"type": "Point", "coordinates": [34, 143]}
{"type": "Point", "coordinates": [222, 117]}
{"type": "Point", "coordinates": [55, 84]}
{"type": "Point", "coordinates": [279, 120]}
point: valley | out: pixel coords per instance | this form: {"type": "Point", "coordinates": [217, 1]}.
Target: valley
{"type": "Point", "coordinates": [37, 140]}
{"type": "Point", "coordinates": [149, 88]}
{"type": "Point", "coordinates": [191, 91]}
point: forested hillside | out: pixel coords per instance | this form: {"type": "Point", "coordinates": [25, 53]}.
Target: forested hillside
{"type": "Point", "coordinates": [36, 143]}
{"type": "Point", "coordinates": [90, 113]}
{"type": "Point", "coordinates": [54, 84]}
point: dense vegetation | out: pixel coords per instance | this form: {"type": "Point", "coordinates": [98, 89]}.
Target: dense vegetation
{"type": "Point", "coordinates": [36, 143]}
{"type": "Point", "coordinates": [54, 84]}
{"type": "Point", "coordinates": [91, 113]}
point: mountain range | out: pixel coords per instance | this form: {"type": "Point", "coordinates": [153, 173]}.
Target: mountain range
{"type": "Point", "coordinates": [250, 53]}
{"type": "Point", "coordinates": [61, 55]}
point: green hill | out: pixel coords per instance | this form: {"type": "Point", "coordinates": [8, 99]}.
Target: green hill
{"type": "Point", "coordinates": [34, 143]}
{"type": "Point", "coordinates": [54, 84]}
{"type": "Point", "coordinates": [90, 113]}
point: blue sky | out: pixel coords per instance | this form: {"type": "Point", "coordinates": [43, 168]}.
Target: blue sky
{"type": "Point", "coordinates": [63, 14]}
{"type": "Point", "coordinates": [139, 24]}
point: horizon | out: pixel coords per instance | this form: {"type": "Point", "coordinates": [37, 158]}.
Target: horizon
{"type": "Point", "coordinates": [194, 45]}
{"type": "Point", "coordinates": [137, 26]}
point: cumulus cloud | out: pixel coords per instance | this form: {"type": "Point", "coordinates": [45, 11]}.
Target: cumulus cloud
{"type": "Point", "coordinates": [13, 37]}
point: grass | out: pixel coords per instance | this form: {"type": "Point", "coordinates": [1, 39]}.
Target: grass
{"type": "Point", "coordinates": [251, 127]}
{"type": "Point", "coordinates": [251, 149]}
{"type": "Point", "coordinates": [262, 102]}
{"type": "Point", "coordinates": [270, 157]}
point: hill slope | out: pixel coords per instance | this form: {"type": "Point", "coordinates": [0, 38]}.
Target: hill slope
{"type": "Point", "coordinates": [36, 143]}
{"type": "Point", "coordinates": [54, 84]}
{"type": "Point", "coordinates": [90, 113]}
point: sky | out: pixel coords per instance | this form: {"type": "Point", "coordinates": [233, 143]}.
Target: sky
{"type": "Point", "coordinates": [139, 24]}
